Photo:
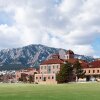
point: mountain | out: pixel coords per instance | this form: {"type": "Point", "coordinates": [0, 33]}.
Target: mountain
{"type": "Point", "coordinates": [29, 56]}
{"type": "Point", "coordinates": [83, 57]}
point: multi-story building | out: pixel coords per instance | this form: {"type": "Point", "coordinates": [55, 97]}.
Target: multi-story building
{"type": "Point", "coordinates": [49, 68]}
{"type": "Point", "coordinates": [93, 71]}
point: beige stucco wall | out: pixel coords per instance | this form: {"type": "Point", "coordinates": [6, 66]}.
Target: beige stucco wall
{"type": "Point", "coordinates": [89, 71]}
{"type": "Point", "coordinates": [39, 78]}
{"type": "Point", "coordinates": [55, 68]}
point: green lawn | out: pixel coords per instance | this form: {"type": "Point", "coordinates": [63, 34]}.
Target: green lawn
{"type": "Point", "coordinates": [85, 91]}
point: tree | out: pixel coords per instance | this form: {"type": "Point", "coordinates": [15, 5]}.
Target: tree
{"type": "Point", "coordinates": [1, 78]}
{"type": "Point", "coordinates": [31, 78]}
{"type": "Point", "coordinates": [23, 77]}
{"type": "Point", "coordinates": [20, 79]}
{"type": "Point", "coordinates": [65, 74]}
{"type": "Point", "coordinates": [79, 72]}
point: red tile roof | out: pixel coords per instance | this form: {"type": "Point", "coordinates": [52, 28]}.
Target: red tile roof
{"type": "Point", "coordinates": [60, 61]}
{"type": "Point", "coordinates": [84, 64]}
{"type": "Point", "coordinates": [29, 69]}
{"type": "Point", "coordinates": [95, 64]}
{"type": "Point", "coordinates": [71, 60]}
{"type": "Point", "coordinates": [52, 61]}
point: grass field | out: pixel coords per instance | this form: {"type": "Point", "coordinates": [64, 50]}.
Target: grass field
{"type": "Point", "coordinates": [85, 91]}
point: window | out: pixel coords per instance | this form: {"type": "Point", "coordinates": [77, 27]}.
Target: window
{"type": "Point", "coordinates": [36, 77]}
{"type": "Point", "coordinates": [45, 67]}
{"type": "Point", "coordinates": [52, 77]}
{"type": "Point", "coordinates": [53, 67]}
{"type": "Point", "coordinates": [67, 57]}
{"type": "Point", "coordinates": [40, 77]}
{"type": "Point", "coordinates": [49, 69]}
{"type": "Point", "coordinates": [57, 67]}
{"type": "Point", "coordinates": [44, 79]}
{"type": "Point", "coordinates": [89, 71]}
{"type": "Point", "coordinates": [49, 77]}
{"type": "Point", "coordinates": [97, 71]}
{"type": "Point", "coordinates": [93, 71]}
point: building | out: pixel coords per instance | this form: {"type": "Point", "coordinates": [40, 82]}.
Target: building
{"type": "Point", "coordinates": [49, 68]}
{"type": "Point", "coordinates": [26, 72]}
{"type": "Point", "coordinates": [7, 76]}
{"type": "Point", "coordinates": [93, 71]}
{"type": "Point", "coordinates": [69, 54]}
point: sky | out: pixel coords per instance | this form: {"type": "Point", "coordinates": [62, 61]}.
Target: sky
{"type": "Point", "coordinates": [68, 24]}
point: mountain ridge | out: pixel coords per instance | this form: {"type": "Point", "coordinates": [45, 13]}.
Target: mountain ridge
{"type": "Point", "coordinates": [30, 56]}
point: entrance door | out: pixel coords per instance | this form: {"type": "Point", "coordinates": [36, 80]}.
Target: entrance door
{"type": "Point", "coordinates": [88, 78]}
{"type": "Point", "coordinates": [44, 79]}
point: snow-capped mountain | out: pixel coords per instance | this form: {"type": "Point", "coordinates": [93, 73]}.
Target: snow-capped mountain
{"type": "Point", "coordinates": [29, 56]}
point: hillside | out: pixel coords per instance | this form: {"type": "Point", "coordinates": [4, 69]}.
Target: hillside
{"type": "Point", "coordinates": [32, 55]}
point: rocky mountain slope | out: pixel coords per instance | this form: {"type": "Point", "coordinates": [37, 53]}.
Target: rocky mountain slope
{"type": "Point", "coordinates": [29, 56]}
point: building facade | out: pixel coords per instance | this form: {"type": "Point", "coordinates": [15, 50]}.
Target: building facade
{"type": "Point", "coordinates": [93, 71]}
{"type": "Point", "coordinates": [26, 72]}
{"type": "Point", "coordinates": [49, 68]}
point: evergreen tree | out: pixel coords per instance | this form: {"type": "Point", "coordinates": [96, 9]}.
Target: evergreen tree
{"type": "Point", "coordinates": [78, 71]}
{"type": "Point", "coordinates": [65, 73]}
{"type": "Point", "coordinates": [31, 78]}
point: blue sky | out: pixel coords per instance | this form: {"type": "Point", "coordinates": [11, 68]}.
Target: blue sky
{"type": "Point", "coordinates": [68, 24]}
{"type": "Point", "coordinates": [96, 45]}
{"type": "Point", "coordinates": [6, 18]}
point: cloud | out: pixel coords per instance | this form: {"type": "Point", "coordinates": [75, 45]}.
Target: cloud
{"type": "Point", "coordinates": [58, 23]}
{"type": "Point", "coordinates": [9, 37]}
